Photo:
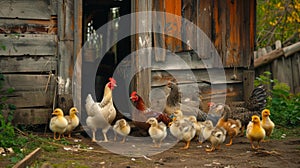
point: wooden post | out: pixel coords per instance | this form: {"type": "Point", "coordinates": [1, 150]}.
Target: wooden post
{"type": "Point", "coordinates": [142, 60]}
{"type": "Point", "coordinates": [65, 53]}
{"type": "Point", "coordinates": [248, 83]}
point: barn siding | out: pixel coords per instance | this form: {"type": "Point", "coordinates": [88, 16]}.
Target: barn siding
{"type": "Point", "coordinates": [230, 25]}
{"type": "Point", "coordinates": [29, 60]}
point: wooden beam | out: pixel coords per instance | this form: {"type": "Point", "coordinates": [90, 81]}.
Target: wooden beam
{"type": "Point", "coordinates": [268, 57]}
{"type": "Point", "coordinates": [28, 44]}
{"type": "Point", "coordinates": [42, 64]}
{"type": "Point", "coordinates": [28, 26]}
{"type": "Point", "coordinates": [24, 82]}
{"type": "Point", "coordinates": [289, 50]}
{"type": "Point", "coordinates": [29, 159]}
{"type": "Point", "coordinates": [29, 9]}
{"type": "Point", "coordinates": [30, 116]}
{"type": "Point", "coordinates": [28, 99]}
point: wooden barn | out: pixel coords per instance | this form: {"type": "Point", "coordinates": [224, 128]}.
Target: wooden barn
{"type": "Point", "coordinates": [42, 43]}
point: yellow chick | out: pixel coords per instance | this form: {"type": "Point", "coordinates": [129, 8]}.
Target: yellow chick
{"type": "Point", "coordinates": [73, 121]}
{"type": "Point", "coordinates": [122, 128]}
{"type": "Point", "coordinates": [58, 123]}
{"type": "Point", "coordinates": [267, 123]}
{"type": "Point", "coordinates": [255, 131]}
{"type": "Point", "coordinates": [157, 131]}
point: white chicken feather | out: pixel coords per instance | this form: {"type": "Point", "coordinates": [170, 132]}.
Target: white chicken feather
{"type": "Point", "coordinates": [101, 115]}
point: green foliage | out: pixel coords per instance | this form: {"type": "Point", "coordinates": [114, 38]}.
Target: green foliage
{"type": "Point", "coordinates": [277, 20]}
{"type": "Point", "coordinates": [8, 137]}
{"type": "Point", "coordinates": [284, 106]}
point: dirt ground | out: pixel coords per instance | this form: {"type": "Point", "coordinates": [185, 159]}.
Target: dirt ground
{"type": "Point", "coordinates": [138, 152]}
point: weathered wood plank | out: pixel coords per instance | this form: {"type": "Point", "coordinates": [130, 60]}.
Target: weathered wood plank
{"type": "Point", "coordinates": [142, 58]}
{"type": "Point", "coordinates": [31, 99]}
{"type": "Point", "coordinates": [29, 9]}
{"type": "Point", "coordinates": [28, 64]}
{"type": "Point", "coordinates": [159, 26]}
{"type": "Point", "coordinates": [204, 22]}
{"type": "Point", "coordinates": [183, 60]}
{"type": "Point", "coordinates": [28, 44]}
{"type": "Point", "coordinates": [189, 13]}
{"type": "Point", "coordinates": [20, 26]}
{"type": "Point", "coordinates": [65, 15]}
{"type": "Point", "coordinates": [268, 57]}
{"type": "Point", "coordinates": [173, 25]}
{"type": "Point", "coordinates": [248, 80]}
{"type": "Point", "coordinates": [29, 159]}
{"type": "Point", "coordinates": [23, 82]}
{"type": "Point", "coordinates": [66, 62]}
{"type": "Point", "coordinates": [31, 116]}
{"type": "Point", "coordinates": [160, 78]}
{"type": "Point", "coordinates": [296, 72]}
{"type": "Point", "coordinates": [282, 70]}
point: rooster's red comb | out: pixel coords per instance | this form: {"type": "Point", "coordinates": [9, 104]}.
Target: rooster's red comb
{"type": "Point", "coordinates": [134, 93]}
{"type": "Point", "coordinates": [112, 80]}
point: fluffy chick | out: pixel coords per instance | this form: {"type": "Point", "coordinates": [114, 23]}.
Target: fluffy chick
{"type": "Point", "coordinates": [157, 131]}
{"type": "Point", "coordinates": [73, 121]}
{"type": "Point", "coordinates": [217, 137]}
{"type": "Point", "coordinates": [255, 131]}
{"type": "Point", "coordinates": [197, 125]}
{"type": "Point", "coordinates": [206, 130]}
{"type": "Point", "coordinates": [267, 123]}
{"type": "Point", "coordinates": [58, 123]}
{"type": "Point", "coordinates": [122, 128]}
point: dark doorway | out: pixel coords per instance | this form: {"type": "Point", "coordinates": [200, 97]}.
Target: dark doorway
{"type": "Point", "coordinates": [96, 13]}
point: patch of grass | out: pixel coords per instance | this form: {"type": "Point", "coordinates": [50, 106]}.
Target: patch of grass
{"type": "Point", "coordinates": [279, 131]}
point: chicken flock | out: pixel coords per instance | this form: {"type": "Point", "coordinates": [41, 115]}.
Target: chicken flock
{"type": "Point", "coordinates": [183, 122]}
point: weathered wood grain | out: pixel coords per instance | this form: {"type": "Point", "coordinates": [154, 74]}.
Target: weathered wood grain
{"type": "Point", "coordinates": [296, 72]}
{"type": "Point", "coordinates": [31, 116]}
{"type": "Point", "coordinates": [65, 16]}
{"type": "Point", "coordinates": [204, 22]}
{"type": "Point", "coordinates": [28, 64]}
{"type": "Point", "coordinates": [28, 44]}
{"type": "Point", "coordinates": [29, 9]}
{"type": "Point", "coordinates": [29, 159]}
{"type": "Point", "coordinates": [159, 26]}
{"type": "Point", "coordinates": [20, 26]}
{"type": "Point", "coordinates": [24, 82]}
{"type": "Point", "coordinates": [31, 99]}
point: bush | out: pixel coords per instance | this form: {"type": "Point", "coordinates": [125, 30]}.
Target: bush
{"type": "Point", "coordinates": [8, 137]}
{"type": "Point", "coordinates": [283, 105]}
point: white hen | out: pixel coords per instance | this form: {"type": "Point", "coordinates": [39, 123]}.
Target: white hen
{"type": "Point", "coordinates": [101, 115]}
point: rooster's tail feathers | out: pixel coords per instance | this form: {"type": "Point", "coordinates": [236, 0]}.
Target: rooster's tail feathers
{"type": "Point", "coordinates": [258, 99]}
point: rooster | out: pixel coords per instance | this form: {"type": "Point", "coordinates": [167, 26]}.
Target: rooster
{"type": "Point", "coordinates": [253, 106]}
{"type": "Point", "coordinates": [101, 115]}
{"type": "Point", "coordinates": [173, 104]}
{"type": "Point", "coordinates": [143, 113]}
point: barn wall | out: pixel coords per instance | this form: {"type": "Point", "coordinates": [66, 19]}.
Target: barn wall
{"type": "Point", "coordinates": [230, 25]}
{"type": "Point", "coordinates": [29, 59]}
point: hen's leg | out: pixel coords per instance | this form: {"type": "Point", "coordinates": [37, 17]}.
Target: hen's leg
{"type": "Point", "coordinates": [104, 131]}
{"type": "Point", "coordinates": [94, 136]}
